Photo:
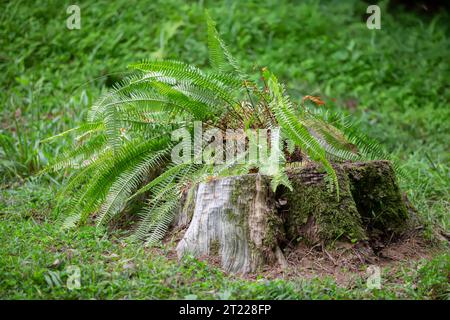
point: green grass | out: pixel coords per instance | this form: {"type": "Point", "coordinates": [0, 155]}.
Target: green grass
{"type": "Point", "coordinates": [394, 80]}
{"type": "Point", "coordinates": [35, 258]}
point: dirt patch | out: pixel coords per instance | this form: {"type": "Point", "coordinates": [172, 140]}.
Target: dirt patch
{"type": "Point", "coordinates": [344, 262]}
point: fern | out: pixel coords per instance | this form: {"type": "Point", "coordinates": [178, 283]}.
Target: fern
{"type": "Point", "coordinates": [219, 55]}
{"type": "Point", "coordinates": [127, 138]}
{"type": "Point", "coordinates": [128, 181]}
{"type": "Point", "coordinates": [288, 121]}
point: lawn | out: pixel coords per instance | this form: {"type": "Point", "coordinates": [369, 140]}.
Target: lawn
{"type": "Point", "coordinates": [394, 81]}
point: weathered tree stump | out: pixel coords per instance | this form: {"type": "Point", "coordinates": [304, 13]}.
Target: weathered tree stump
{"type": "Point", "coordinates": [234, 218]}
{"type": "Point", "coordinates": [240, 219]}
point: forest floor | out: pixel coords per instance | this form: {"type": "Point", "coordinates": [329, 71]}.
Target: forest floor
{"type": "Point", "coordinates": [394, 81]}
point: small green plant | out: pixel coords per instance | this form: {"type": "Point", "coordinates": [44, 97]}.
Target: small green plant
{"type": "Point", "coordinates": [19, 155]}
{"type": "Point", "coordinates": [127, 137]}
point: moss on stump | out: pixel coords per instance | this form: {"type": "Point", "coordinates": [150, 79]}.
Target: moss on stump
{"type": "Point", "coordinates": [370, 200]}
{"type": "Point", "coordinates": [314, 213]}
{"type": "Point", "coordinates": [377, 195]}
{"type": "Point", "coordinates": [240, 219]}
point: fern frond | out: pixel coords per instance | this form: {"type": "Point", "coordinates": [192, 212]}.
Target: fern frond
{"type": "Point", "coordinates": [83, 129]}
{"type": "Point", "coordinates": [280, 178]}
{"type": "Point", "coordinates": [79, 156]}
{"type": "Point", "coordinates": [124, 185]}
{"type": "Point", "coordinates": [112, 128]}
{"type": "Point", "coordinates": [133, 83]}
{"type": "Point", "coordinates": [198, 109]}
{"type": "Point", "coordinates": [336, 145]}
{"type": "Point", "coordinates": [219, 56]}
{"type": "Point", "coordinates": [276, 166]}
{"type": "Point", "coordinates": [218, 84]}
{"type": "Point", "coordinates": [157, 218]}
{"type": "Point", "coordinates": [165, 196]}
{"type": "Point", "coordinates": [203, 96]}
{"type": "Point", "coordinates": [289, 122]}
{"type": "Point", "coordinates": [169, 175]}
{"type": "Point", "coordinates": [89, 199]}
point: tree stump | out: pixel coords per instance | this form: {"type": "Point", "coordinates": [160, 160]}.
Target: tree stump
{"type": "Point", "coordinates": [234, 218]}
{"type": "Point", "coordinates": [241, 220]}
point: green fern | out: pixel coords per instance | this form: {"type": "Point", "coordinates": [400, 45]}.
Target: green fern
{"type": "Point", "coordinates": [127, 138]}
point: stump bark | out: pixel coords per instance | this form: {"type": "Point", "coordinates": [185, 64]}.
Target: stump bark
{"type": "Point", "coordinates": [241, 220]}
{"type": "Point", "coordinates": [234, 218]}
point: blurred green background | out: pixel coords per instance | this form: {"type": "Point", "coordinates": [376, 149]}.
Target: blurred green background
{"type": "Point", "coordinates": [394, 81]}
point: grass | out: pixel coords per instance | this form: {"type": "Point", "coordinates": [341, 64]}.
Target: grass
{"type": "Point", "coordinates": [394, 80]}
{"type": "Point", "coordinates": [36, 258]}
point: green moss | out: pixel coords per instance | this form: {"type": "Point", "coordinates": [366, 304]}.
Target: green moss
{"type": "Point", "coordinates": [214, 248]}
{"type": "Point", "coordinates": [314, 212]}
{"type": "Point", "coordinates": [189, 203]}
{"type": "Point", "coordinates": [275, 231]}
{"type": "Point", "coordinates": [370, 200]}
{"type": "Point", "coordinates": [377, 196]}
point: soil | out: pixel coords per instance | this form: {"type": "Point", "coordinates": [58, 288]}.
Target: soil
{"type": "Point", "coordinates": [344, 262]}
